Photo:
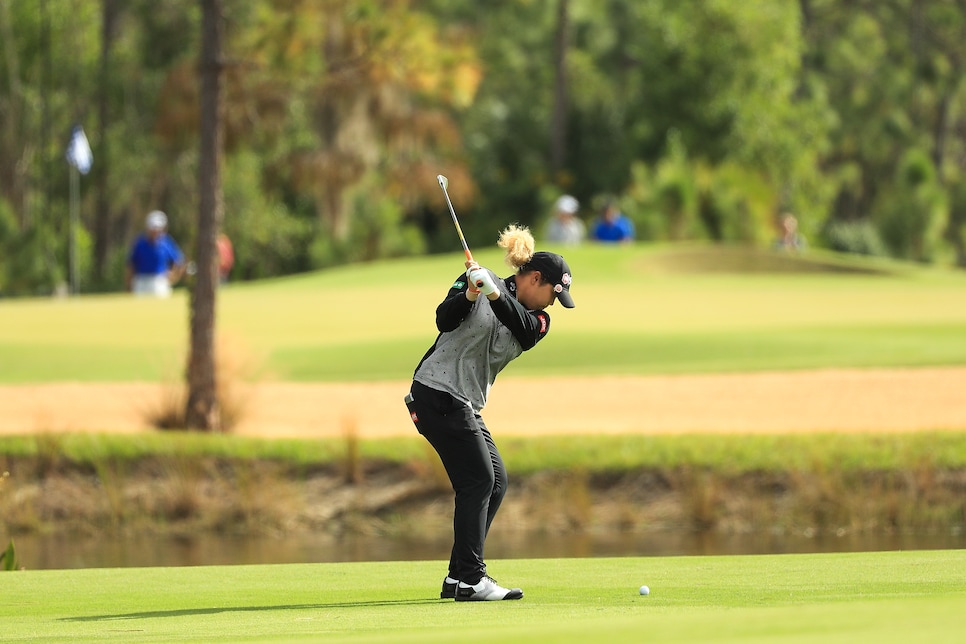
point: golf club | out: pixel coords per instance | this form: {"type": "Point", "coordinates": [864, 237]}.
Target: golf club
{"type": "Point", "coordinates": [444, 184]}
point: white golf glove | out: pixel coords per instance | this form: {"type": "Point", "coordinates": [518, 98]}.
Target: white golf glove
{"type": "Point", "coordinates": [480, 278]}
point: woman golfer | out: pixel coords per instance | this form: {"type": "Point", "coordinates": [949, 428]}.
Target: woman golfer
{"type": "Point", "coordinates": [484, 323]}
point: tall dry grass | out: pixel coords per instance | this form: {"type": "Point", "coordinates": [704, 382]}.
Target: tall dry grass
{"type": "Point", "coordinates": [178, 494]}
{"type": "Point", "coordinates": [236, 368]}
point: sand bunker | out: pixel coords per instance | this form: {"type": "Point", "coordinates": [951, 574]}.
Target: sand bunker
{"type": "Point", "coordinates": [889, 400]}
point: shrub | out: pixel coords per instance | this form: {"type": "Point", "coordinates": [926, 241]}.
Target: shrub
{"type": "Point", "coordinates": [8, 558]}
{"type": "Point", "coordinates": [858, 237]}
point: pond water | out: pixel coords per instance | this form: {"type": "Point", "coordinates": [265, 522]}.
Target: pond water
{"type": "Point", "coordinates": [57, 552]}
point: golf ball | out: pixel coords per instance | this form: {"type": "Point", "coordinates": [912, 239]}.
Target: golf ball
{"type": "Point", "coordinates": [645, 590]}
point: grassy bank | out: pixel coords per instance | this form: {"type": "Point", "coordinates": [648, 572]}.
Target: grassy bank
{"type": "Point", "coordinates": [176, 483]}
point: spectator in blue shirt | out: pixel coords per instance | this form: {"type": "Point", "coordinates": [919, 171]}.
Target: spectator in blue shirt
{"type": "Point", "coordinates": [155, 262]}
{"type": "Point", "coordinates": [613, 225]}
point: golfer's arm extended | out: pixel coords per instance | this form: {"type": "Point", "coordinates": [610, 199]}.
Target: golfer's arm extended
{"type": "Point", "coordinates": [526, 326]}
{"type": "Point", "coordinates": [454, 309]}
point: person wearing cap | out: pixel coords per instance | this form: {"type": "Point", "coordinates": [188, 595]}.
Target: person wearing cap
{"type": "Point", "coordinates": [565, 227]}
{"type": "Point", "coordinates": [484, 323]}
{"type": "Point", "coordinates": [155, 262]}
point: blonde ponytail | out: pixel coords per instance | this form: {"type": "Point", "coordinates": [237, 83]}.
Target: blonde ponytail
{"type": "Point", "coordinates": [519, 244]}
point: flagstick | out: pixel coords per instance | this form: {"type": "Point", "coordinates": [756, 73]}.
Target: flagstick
{"type": "Point", "coordinates": [79, 158]}
{"type": "Point", "coordinates": [72, 241]}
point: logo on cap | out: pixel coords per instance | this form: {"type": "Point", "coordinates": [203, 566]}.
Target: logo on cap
{"type": "Point", "coordinates": [566, 279]}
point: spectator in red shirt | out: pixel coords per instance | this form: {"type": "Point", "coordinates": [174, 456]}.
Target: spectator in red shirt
{"type": "Point", "coordinates": [226, 257]}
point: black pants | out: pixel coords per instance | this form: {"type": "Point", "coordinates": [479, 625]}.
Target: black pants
{"type": "Point", "coordinates": [475, 469]}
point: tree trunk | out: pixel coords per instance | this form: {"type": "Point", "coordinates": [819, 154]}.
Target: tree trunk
{"type": "Point", "coordinates": [102, 218]}
{"type": "Point", "coordinates": [558, 134]}
{"type": "Point", "coordinates": [13, 179]}
{"type": "Point", "coordinates": [203, 409]}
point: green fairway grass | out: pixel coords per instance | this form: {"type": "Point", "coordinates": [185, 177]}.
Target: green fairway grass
{"type": "Point", "coordinates": [640, 310]}
{"type": "Point", "coordinates": [882, 597]}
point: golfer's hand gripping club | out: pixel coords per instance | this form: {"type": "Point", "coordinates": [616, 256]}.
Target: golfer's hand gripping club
{"type": "Point", "coordinates": [474, 281]}
{"type": "Point", "coordinates": [483, 280]}
{"type": "Point", "coordinates": [471, 265]}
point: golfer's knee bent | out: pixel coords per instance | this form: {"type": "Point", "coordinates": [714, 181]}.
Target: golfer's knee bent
{"type": "Point", "coordinates": [483, 489]}
{"type": "Point", "coordinates": [496, 496]}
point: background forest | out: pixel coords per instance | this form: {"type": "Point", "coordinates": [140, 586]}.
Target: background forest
{"type": "Point", "coordinates": [705, 119]}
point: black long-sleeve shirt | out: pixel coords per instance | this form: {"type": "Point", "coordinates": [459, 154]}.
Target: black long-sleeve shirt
{"type": "Point", "coordinates": [477, 340]}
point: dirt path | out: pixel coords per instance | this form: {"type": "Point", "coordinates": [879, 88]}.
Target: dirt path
{"type": "Point", "coordinates": [837, 400]}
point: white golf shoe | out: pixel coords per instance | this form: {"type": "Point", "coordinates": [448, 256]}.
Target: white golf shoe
{"type": "Point", "coordinates": [485, 591]}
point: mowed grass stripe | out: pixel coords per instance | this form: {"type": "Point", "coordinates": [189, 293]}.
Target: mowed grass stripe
{"type": "Point", "coordinates": [633, 316]}
{"type": "Point", "coordinates": [885, 597]}
{"type": "Point", "coordinates": [42, 362]}
{"type": "Point", "coordinates": [573, 353]}
{"type": "Point", "coordinates": [563, 353]}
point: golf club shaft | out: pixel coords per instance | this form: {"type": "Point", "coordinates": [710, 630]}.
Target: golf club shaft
{"type": "Point", "coordinates": [443, 183]}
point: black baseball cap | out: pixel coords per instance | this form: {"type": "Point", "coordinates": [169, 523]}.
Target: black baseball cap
{"type": "Point", "coordinates": [555, 270]}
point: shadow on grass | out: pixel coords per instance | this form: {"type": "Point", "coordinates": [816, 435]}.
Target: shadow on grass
{"type": "Point", "coordinates": [246, 609]}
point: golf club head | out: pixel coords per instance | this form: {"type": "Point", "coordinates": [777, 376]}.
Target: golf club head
{"type": "Point", "coordinates": [443, 181]}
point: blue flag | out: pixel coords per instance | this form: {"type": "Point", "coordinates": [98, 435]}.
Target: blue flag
{"type": "Point", "coordinates": [79, 151]}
